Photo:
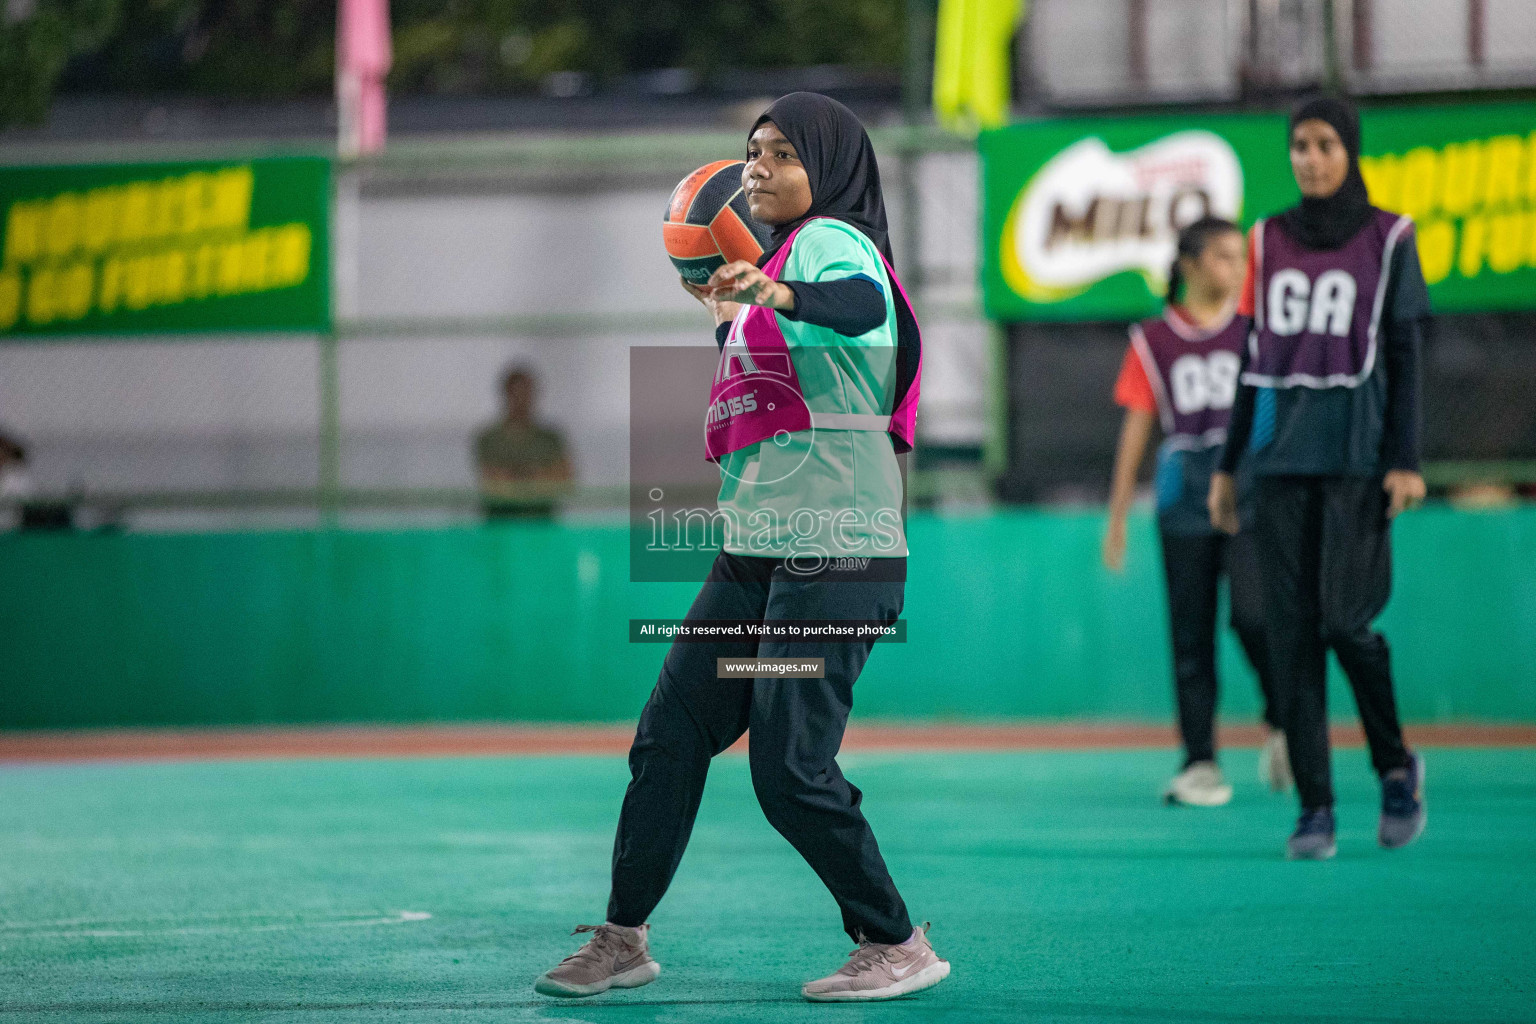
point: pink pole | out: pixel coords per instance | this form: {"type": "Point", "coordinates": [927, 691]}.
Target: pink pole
{"type": "Point", "coordinates": [362, 60]}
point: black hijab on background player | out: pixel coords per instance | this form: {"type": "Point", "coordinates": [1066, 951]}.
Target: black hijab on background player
{"type": "Point", "coordinates": [1327, 222]}
{"type": "Point", "coordinates": [840, 165]}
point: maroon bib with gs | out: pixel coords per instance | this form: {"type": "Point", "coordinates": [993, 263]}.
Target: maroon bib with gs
{"type": "Point", "coordinates": [1193, 373]}
{"type": "Point", "coordinates": [1316, 313]}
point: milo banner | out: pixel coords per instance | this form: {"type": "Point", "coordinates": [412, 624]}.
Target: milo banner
{"type": "Point", "coordinates": [145, 248]}
{"type": "Point", "coordinates": [1079, 216]}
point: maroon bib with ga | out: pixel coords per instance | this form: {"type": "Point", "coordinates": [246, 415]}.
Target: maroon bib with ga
{"type": "Point", "coordinates": [1193, 373]}
{"type": "Point", "coordinates": [1316, 312]}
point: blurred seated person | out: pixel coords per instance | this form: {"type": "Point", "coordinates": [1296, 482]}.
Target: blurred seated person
{"type": "Point", "coordinates": [522, 465]}
{"type": "Point", "coordinates": [19, 508]}
{"type": "Point", "coordinates": [14, 485]}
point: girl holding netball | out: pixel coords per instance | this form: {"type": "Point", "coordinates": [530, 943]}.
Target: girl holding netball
{"type": "Point", "coordinates": [1181, 370]}
{"type": "Point", "coordinates": [1328, 412]}
{"type": "Point", "coordinates": [815, 395]}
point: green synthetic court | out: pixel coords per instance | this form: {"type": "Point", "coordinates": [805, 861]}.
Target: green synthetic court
{"type": "Point", "coordinates": [435, 890]}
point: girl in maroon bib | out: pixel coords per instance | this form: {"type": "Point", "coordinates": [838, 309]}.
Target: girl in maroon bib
{"type": "Point", "coordinates": [1181, 369]}
{"type": "Point", "coordinates": [1327, 416]}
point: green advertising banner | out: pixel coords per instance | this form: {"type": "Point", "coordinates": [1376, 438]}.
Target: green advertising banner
{"type": "Point", "coordinates": [149, 248]}
{"type": "Point", "coordinates": [1079, 216]}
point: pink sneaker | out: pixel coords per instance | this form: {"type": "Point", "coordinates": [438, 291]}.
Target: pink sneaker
{"type": "Point", "coordinates": [878, 970]}
{"type": "Point", "coordinates": [614, 957]}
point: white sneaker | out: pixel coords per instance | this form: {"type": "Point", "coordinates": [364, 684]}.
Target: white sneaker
{"type": "Point", "coordinates": [1275, 763]}
{"type": "Point", "coordinates": [1199, 785]}
{"type": "Point", "coordinates": [879, 970]}
{"type": "Point", "coordinates": [614, 957]}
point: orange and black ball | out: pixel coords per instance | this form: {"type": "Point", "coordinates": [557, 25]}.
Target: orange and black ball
{"type": "Point", "coordinates": [708, 224]}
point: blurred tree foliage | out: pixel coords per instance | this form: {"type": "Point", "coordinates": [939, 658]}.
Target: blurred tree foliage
{"type": "Point", "coordinates": [511, 45]}
{"type": "Point", "coordinates": [264, 48]}
{"type": "Point", "coordinates": [280, 48]}
{"type": "Point", "coordinates": [37, 39]}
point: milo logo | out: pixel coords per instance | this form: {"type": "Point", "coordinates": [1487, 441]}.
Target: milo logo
{"type": "Point", "coordinates": [1089, 213]}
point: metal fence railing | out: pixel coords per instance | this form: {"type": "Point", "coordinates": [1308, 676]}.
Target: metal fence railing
{"type": "Point", "coordinates": [451, 260]}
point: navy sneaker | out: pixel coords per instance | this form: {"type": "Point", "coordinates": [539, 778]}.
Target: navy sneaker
{"type": "Point", "coordinates": [1402, 805]}
{"type": "Point", "coordinates": [1313, 838]}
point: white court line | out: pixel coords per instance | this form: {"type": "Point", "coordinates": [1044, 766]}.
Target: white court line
{"type": "Point", "coordinates": [69, 928]}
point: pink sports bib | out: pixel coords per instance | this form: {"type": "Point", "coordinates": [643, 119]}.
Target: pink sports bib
{"type": "Point", "coordinates": [756, 392]}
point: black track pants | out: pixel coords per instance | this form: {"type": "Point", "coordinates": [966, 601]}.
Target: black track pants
{"type": "Point", "coordinates": [796, 728]}
{"type": "Point", "coordinates": [1325, 549]}
{"type": "Point", "coordinates": [1192, 568]}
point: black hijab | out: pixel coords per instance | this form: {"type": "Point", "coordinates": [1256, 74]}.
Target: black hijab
{"type": "Point", "coordinates": [845, 185]}
{"type": "Point", "coordinates": [839, 161]}
{"type": "Point", "coordinates": [1328, 222]}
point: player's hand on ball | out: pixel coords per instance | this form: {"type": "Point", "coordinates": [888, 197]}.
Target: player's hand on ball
{"type": "Point", "coordinates": [742, 282]}
{"type": "Point", "coordinates": [1222, 502]}
{"type": "Point", "coordinates": [1405, 490]}
{"type": "Point", "coordinates": [723, 312]}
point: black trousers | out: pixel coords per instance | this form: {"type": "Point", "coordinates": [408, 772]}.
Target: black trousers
{"type": "Point", "coordinates": [1193, 567]}
{"type": "Point", "coordinates": [796, 727]}
{"type": "Point", "coordinates": [1326, 552]}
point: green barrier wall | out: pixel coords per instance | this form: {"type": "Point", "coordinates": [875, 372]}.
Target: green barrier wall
{"type": "Point", "coordinates": [1010, 615]}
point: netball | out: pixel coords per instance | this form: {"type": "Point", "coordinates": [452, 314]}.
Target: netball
{"type": "Point", "coordinates": [707, 224]}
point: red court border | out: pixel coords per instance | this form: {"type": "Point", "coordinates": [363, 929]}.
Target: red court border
{"type": "Point", "coordinates": [519, 740]}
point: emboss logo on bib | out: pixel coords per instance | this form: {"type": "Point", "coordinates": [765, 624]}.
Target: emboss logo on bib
{"type": "Point", "coordinates": [742, 399]}
{"type": "Point", "coordinates": [735, 405]}
{"type": "Point", "coordinates": [1090, 213]}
